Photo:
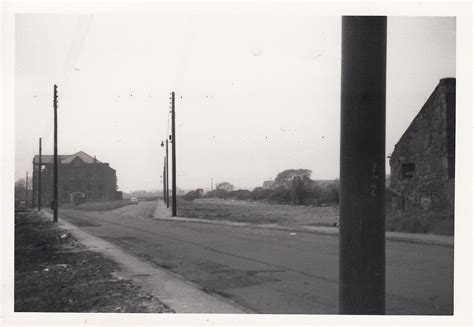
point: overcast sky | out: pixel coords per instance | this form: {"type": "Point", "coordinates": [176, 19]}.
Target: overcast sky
{"type": "Point", "coordinates": [254, 95]}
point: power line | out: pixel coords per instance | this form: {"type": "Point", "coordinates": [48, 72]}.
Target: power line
{"type": "Point", "coordinates": [73, 45]}
{"type": "Point", "coordinates": [76, 52]}
{"type": "Point", "coordinates": [62, 76]}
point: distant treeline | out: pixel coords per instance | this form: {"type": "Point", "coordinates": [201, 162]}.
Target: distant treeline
{"type": "Point", "coordinates": [293, 186]}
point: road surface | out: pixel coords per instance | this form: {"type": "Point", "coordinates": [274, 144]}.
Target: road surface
{"type": "Point", "coordinates": [271, 271]}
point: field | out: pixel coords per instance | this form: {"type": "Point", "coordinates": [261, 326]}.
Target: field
{"type": "Point", "coordinates": [258, 212]}
{"type": "Point", "coordinates": [287, 215]}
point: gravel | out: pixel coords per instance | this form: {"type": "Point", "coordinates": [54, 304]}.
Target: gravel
{"type": "Point", "coordinates": [55, 273]}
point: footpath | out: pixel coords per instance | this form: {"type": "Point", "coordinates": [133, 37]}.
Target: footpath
{"type": "Point", "coordinates": [60, 268]}
{"type": "Point", "coordinates": [54, 272]}
{"type": "Point", "coordinates": [162, 212]}
{"type": "Point", "coordinates": [174, 292]}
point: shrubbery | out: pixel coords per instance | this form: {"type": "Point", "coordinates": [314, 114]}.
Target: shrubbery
{"type": "Point", "coordinates": [193, 195]}
{"type": "Point", "coordinates": [309, 194]}
{"type": "Point", "coordinates": [260, 194]}
{"type": "Point", "coordinates": [240, 195]}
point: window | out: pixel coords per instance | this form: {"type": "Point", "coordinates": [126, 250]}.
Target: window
{"type": "Point", "coordinates": [101, 187]}
{"type": "Point", "coordinates": [100, 196]}
{"type": "Point", "coordinates": [89, 196]}
{"type": "Point", "coordinates": [89, 187]}
{"type": "Point", "coordinates": [408, 170]}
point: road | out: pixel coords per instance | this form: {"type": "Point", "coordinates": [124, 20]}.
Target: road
{"type": "Point", "coordinates": [271, 271]}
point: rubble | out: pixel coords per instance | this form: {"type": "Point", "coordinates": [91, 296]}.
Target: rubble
{"type": "Point", "coordinates": [55, 273]}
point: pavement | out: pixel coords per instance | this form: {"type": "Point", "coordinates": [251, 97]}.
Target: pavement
{"type": "Point", "coordinates": [162, 212]}
{"type": "Point", "coordinates": [178, 294]}
{"type": "Point", "coordinates": [266, 270]}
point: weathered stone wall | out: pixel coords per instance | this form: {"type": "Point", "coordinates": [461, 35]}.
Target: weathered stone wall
{"type": "Point", "coordinates": [428, 144]}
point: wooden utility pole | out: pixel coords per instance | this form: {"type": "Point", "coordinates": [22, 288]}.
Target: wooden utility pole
{"type": "Point", "coordinates": [40, 163]}
{"type": "Point", "coordinates": [362, 169]}
{"type": "Point", "coordinates": [167, 178]}
{"type": "Point", "coordinates": [173, 157]}
{"type": "Point", "coordinates": [55, 181]}
{"type": "Point", "coordinates": [164, 179]}
{"type": "Point", "coordinates": [33, 185]}
{"type": "Point", "coordinates": [26, 189]}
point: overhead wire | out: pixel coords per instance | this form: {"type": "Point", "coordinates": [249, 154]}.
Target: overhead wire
{"type": "Point", "coordinates": [80, 33]}
{"type": "Point", "coordinates": [75, 54]}
{"type": "Point", "coordinates": [74, 41]}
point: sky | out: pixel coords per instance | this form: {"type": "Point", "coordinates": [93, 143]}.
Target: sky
{"type": "Point", "coordinates": [255, 95]}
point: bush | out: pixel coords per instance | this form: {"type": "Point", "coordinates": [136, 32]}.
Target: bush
{"type": "Point", "coordinates": [261, 194]}
{"type": "Point", "coordinates": [242, 195]}
{"type": "Point", "coordinates": [328, 194]}
{"type": "Point", "coordinates": [217, 194]}
{"type": "Point", "coordinates": [193, 195]}
{"type": "Point", "coordinates": [281, 195]}
{"type": "Point", "coordinates": [408, 223]}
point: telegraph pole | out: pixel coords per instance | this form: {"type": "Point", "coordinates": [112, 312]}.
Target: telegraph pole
{"type": "Point", "coordinates": [167, 178]}
{"type": "Point", "coordinates": [33, 185]}
{"type": "Point", "coordinates": [362, 169]}
{"type": "Point", "coordinates": [26, 189]}
{"type": "Point", "coordinates": [173, 157]}
{"type": "Point", "coordinates": [55, 200]}
{"type": "Point", "coordinates": [164, 179]}
{"type": "Point", "coordinates": [39, 176]}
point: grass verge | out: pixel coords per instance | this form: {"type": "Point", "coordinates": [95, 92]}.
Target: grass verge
{"type": "Point", "coordinates": [55, 273]}
{"type": "Point", "coordinates": [440, 223]}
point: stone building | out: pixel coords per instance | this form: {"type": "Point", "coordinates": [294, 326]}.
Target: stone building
{"type": "Point", "coordinates": [80, 178]}
{"type": "Point", "coordinates": [422, 163]}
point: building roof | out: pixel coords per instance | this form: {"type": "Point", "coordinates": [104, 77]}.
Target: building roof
{"type": "Point", "coordinates": [66, 159]}
{"type": "Point", "coordinates": [442, 82]}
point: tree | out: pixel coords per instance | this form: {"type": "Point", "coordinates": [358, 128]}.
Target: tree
{"type": "Point", "coordinates": [286, 177]}
{"type": "Point", "coordinates": [301, 187]}
{"type": "Point", "coordinates": [298, 181]}
{"type": "Point", "coordinates": [20, 190]}
{"type": "Point", "coordinates": [225, 186]}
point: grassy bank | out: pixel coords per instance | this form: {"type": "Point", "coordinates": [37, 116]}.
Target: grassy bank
{"type": "Point", "coordinates": [441, 223]}
{"type": "Point", "coordinates": [257, 212]}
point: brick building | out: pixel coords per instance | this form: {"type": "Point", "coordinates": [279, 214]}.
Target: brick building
{"type": "Point", "coordinates": [422, 163]}
{"type": "Point", "coordinates": [80, 178]}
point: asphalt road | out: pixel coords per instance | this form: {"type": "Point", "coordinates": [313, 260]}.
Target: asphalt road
{"type": "Point", "coordinates": [271, 271]}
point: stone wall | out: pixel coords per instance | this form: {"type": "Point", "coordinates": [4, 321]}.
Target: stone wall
{"type": "Point", "coordinates": [422, 159]}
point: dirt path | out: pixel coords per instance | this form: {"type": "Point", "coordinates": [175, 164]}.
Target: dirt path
{"type": "Point", "coordinates": [55, 273]}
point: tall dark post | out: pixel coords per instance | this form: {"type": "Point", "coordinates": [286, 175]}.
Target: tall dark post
{"type": "Point", "coordinates": [173, 157]}
{"type": "Point", "coordinates": [40, 163]}
{"type": "Point", "coordinates": [26, 189]}
{"type": "Point", "coordinates": [33, 186]}
{"type": "Point", "coordinates": [55, 191]}
{"type": "Point", "coordinates": [167, 191]}
{"type": "Point", "coordinates": [362, 169]}
{"type": "Point", "coordinates": [164, 179]}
